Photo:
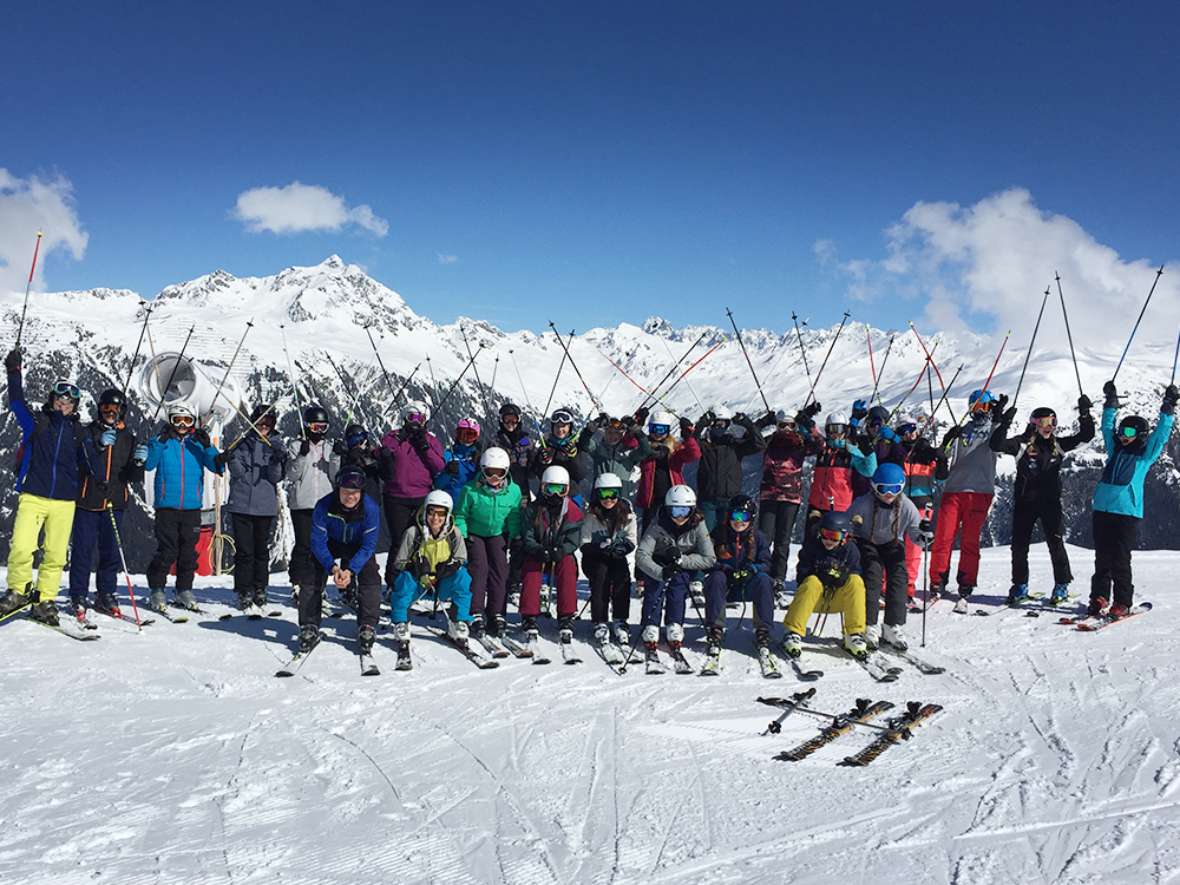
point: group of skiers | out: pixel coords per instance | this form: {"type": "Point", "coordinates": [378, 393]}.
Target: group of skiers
{"type": "Point", "coordinates": [471, 523]}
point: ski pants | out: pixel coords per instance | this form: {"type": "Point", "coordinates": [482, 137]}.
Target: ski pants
{"type": "Point", "coordinates": [562, 575]}
{"type": "Point", "coordinates": [488, 563]}
{"type": "Point", "coordinates": [777, 522]}
{"type": "Point", "coordinates": [815, 515]}
{"type": "Point", "coordinates": [34, 513]}
{"type": "Point", "coordinates": [300, 562]}
{"type": "Point", "coordinates": [610, 585]}
{"type": "Point", "coordinates": [670, 595]}
{"type": "Point", "coordinates": [721, 588]}
{"type": "Point", "coordinates": [913, 552]}
{"type": "Point", "coordinates": [1114, 539]}
{"type": "Point", "coordinates": [399, 515]}
{"type": "Point", "coordinates": [92, 528]}
{"type": "Point", "coordinates": [454, 588]}
{"type": "Point", "coordinates": [176, 542]}
{"type": "Point", "coordinates": [884, 564]}
{"type": "Point", "coordinates": [251, 554]}
{"type": "Point", "coordinates": [367, 583]}
{"type": "Point", "coordinates": [966, 511]}
{"type": "Point", "coordinates": [812, 596]}
{"type": "Point", "coordinates": [1024, 518]}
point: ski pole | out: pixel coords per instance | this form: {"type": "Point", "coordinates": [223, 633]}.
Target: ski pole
{"type": "Point", "coordinates": [1158, 274]}
{"type": "Point", "coordinates": [926, 513]}
{"type": "Point", "coordinates": [797, 700]}
{"type": "Point", "coordinates": [123, 559]}
{"type": "Point", "coordinates": [557, 377]}
{"type": "Point", "coordinates": [483, 391]}
{"type": "Point", "coordinates": [881, 374]}
{"type": "Point", "coordinates": [930, 390]}
{"type": "Point", "coordinates": [872, 364]}
{"type": "Point", "coordinates": [172, 374]}
{"type": "Point", "coordinates": [233, 359]}
{"type": "Point", "coordinates": [593, 399]}
{"type": "Point", "coordinates": [924, 370]}
{"type": "Point", "coordinates": [819, 374]}
{"type": "Point", "coordinates": [691, 389]}
{"type": "Point", "coordinates": [652, 390]}
{"type": "Point", "coordinates": [454, 386]}
{"type": "Point", "coordinates": [1028, 353]}
{"type": "Point", "coordinates": [520, 378]}
{"type": "Point", "coordinates": [355, 407]}
{"type": "Point", "coordinates": [253, 426]}
{"type": "Point", "coordinates": [433, 380]}
{"type": "Point", "coordinates": [398, 393]}
{"type": "Point", "coordinates": [294, 381]}
{"type": "Point", "coordinates": [316, 393]}
{"type": "Point", "coordinates": [946, 393]}
{"type": "Point", "coordinates": [704, 356]}
{"type": "Point", "coordinates": [237, 408]}
{"type": "Point", "coordinates": [32, 269]}
{"type": "Point", "coordinates": [802, 349]}
{"type": "Point", "coordinates": [745, 353]}
{"type": "Point", "coordinates": [992, 373]}
{"type": "Point", "coordinates": [636, 384]}
{"type": "Point", "coordinates": [143, 330]}
{"type": "Point", "coordinates": [1175, 357]}
{"type": "Point", "coordinates": [937, 373]}
{"type": "Point", "coordinates": [1068, 334]}
{"type": "Point", "coordinates": [380, 363]}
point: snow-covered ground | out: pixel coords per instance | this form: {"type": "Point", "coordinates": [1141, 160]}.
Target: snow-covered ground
{"type": "Point", "coordinates": [175, 756]}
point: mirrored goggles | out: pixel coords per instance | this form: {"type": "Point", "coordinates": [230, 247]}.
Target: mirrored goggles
{"type": "Point", "coordinates": [1046, 423]}
{"type": "Point", "coordinates": [888, 488]}
{"type": "Point", "coordinates": [906, 429]}
{"type": "Point", "coordinates": [437, 511]}
{"type": "Point", "coordinates": [494, 472]}
{"type": "Point", "coordinates": [556, 488]}
{"type": "Point", "coordinates": [740, 516]}
{"type": "Point", "coordinates": [837, 429]}
{"type": "Point", "coordinates": [182, 421]}
{"type": "Point", "coordinates": [659, 429]}
{"type": "Point", "coordinates": [65, 388]}
{"type": "Point", "coordinates": [1130, 432]}
{"type": "Point", "coordinates": [415, 418]}
{"type": "Point", "coordinates": [833, 534]}
{"type": "Point", "coordinates": [679, 511]}
{"type": "Point", "coordinates": [466, 435]}
{"type": "Point", "coordinates": [318, 426]}
{"type": "Point", "coordinates": [608, 494]}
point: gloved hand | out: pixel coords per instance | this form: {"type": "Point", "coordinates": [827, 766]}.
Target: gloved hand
{"type": "Point", "coordinates": [686, 428]}
{"type": "Point", "coordinates": [814, 409]}
{"type": "Point", "coordinates": [602, 420]}
{"type": "Point", "coordinates": [1171, 395]}
{"type": "Point", "coordinates": [1112, 395]}
{"type": "Point", "coordinates": [621, 547]}
{"type": "Point", "coordinates": [452, 468]}
{"type": "Point", "coordinates": [740, 575]}
{"type": "Point", "coordinates": [419, 440]}
{"type": "Point", "coordinates": [1009, 415]}
{"type": "Point", "coordinates": [304, 446]}
{"type": "Point", "coordinates": [108, 437]}
{"type": "Point", "coordinates": [12, 362]}
{"type": "Point", "coordinates": [1084, 405]}
{"type": "Point", "coordinates": [768, 420]}
{"type": "Point", "coordinates": [545, 456]}
{"type": "Point", "coordinates": [741, 418]}
{"type": "Point", "coordinates": [706, 419]}
{"type": "Point", "coordinates": [669, 571]}
{"type": "Point", "coordinates": [140, 455]}
{"type": "Point", "coordinates": [951, 435]}
{"type": "Point", "coordinates": [889, 435]}
{"type": "Point", "coordinates": [552, 553]}
{"type": "Point", "coordinates": [641, 415]}
{"type": "Point", "coordinates": [201, 435]}
{"type": "Point", "coordinates": [222, 458]}
{"type": "Point", "coordinates": [859, 410]}
{"type": "Point", "coordinates": [446, 569]}
{"type": "Point", "coordinates": [666, 556]}
{"type": "Point", "coordinates": [925, 532]}
{"type": "Point", "coordinates": [832, 574]}
{"type": "Point", "coordinates": [1001, 403]}
{"type": "Point", "coordinates": [339, 448]}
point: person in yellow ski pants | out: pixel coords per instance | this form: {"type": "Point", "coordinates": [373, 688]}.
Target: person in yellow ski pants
{"type": "Point", "coordinates": [57, 518]}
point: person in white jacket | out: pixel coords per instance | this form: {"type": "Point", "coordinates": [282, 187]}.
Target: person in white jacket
{"type": "Point", "coordinates": [310, 474]}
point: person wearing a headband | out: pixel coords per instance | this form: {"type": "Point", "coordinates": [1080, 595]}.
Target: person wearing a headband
{"type": "Point", "coordinates": [1039, 454]}
{"type": "Point", "coordinates": [344, 531]}
{"type": "Point", "coordinates": [1131, 448]}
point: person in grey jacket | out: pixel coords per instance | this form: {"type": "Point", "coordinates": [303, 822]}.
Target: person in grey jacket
{"type": "Point", "coordinates": [310, 475]}
{"type": "Point", "coordinates": [256, 466]}
{"type": "Point", "coordinates": [675, 544]}
{"type": "Point", "coordinates": [616, 447]}
{"type": "Point", "coordinates": [882, 520]}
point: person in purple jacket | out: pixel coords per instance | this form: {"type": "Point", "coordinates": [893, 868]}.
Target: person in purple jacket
{"type": "Point", "coordinates": [877, 436]}
{"type": "Point", "coordinates": [408, 461]}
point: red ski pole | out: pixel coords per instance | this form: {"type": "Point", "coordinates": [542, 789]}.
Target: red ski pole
{"type": "Point", "coordinates": [21, 329]}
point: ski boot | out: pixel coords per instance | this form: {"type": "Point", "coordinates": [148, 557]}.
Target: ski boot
{"type": "Point", "coordinates": [651, 655]}
{"type": "Point", "coordinates": [892, 635]}
{"type": "Point", "coordinates": [245, 601]}
{"type": "Point", "coordinates": [158, 600]}
{"type": "Point", "coordinates": [1097, 606]}
{"type": "Point", "coordinates": [364, 640]}
{"type": "Point", "coordinates": [11, 601]}
{"type": "Point", "coordinates": [793, 645]}
{"type": "Point", "coordinates": [528, 625]}
{"type": "Point", "coordinates": [401, 631]}
{"type": "Point", "coordinates": [184, 599]}
{"type": "Point", "coordinates": [108, 604]}
{"type": "Point", "coordinates": [456, 629]}
{"type": "Point", "coordinates": [697, 590]}
{"type": "Point", "coordinates": [854, 644]}
{"type": "Point", "coordinates": [1117, 611]}
{"type": "Point", "coordinates": [1060, 594]}
{"type": "Point", "coordinates": [781, 599]}
{"type": "Point", "coordinates": [622, 634]}
{"type": "Point", "coordinates": [260, 599]}
{"type": "Point", "coordinates": [309, 638]}
{"type": "Point", "coordinates": [872, 636]}
{"type": "Point", "coordinates": [295, 595]}
{"type": "Point", "coordinates": [78, 609]}
{"type": "Point", "coordinates": [761, 637]}
{"type": "Point", "coordinates": [674, 636]}
{"type": "Point", "coordinates": [45, 611]}
{"type": "Point", "coordinates": [714, 639]}
{"type": "Point", "coordinates": [498, 626]}
{"type": "Point", "coordinates": [965, 590]}
{"type": "Point", "coordinates": [565, 629]}
{"type": "Point", "coordinates": [476, 630]}
{"type": "Point", "coordinates": [1018, 594]}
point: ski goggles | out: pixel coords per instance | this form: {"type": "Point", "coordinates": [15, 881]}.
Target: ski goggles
{"type": "Point", "coordinates": [65, 388]}
{"type": "Point", "coordinates": [351, 479]}
{"type": "Point", "coordinates": [888, 488]}
{"type": "Point", "coordinates": [561, 417]}
{"type": "Point", "coordinates": [318, 427]}
{"type": "Point", "coordinates": [556, 488]}
{"type": "Point", "coordinates": [1046, 423]}
{"type": "Point", "coordinates": [740, 516]}
{"type": "Point", "coordinates": [836, 535]}
{"type": "Point", "coordinates": [495, 472]}
{"type": "Point", "coordinates": [608, 494]}
{"type": "Point", "coordinates": [466, 435]}
{"type": "Point", "coordinates": [1130, 432]}
{"type": "Point", "coordinates": [659, 429]}
{"type": "Point", "coordinates": [836, 430]}
{"type": "Point", "coordinates": [415, 418]}
{"type": "Point", "coordinates": [182, 420]}
{"type": "Point", "coordinates": [437, 511]}
{"type": "Point", "coordinates": [906, 429]}
{"type": "Point", "coordinates": [679, 511]}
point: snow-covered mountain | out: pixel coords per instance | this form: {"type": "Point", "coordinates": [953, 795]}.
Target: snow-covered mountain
{"type": "Point", "coordinates": [322, 312]}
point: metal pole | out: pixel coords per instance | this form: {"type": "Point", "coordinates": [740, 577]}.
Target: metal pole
{"type": "Point", "coordinates": [753, 374]}
{"type": "Point", "coordinates": [824, 364]}
{"type": "Point", "coordinates": [881, 374]}
{"type": "Point", "coordinates": [519, 377]}
{"type": "Point", "coordinates": [172, 374]}
{"type": "Point", "coordinates": [564, 356]}
{"type": "Point", "coordinates": [294, 381]}
{"type": "Point", "coordinates": [1068, 334]}
{"type": "Point", "coordinates": [229, 368]}
{"type": "Point", "coordinates": [478, 381]}
{"type": "Point", "coordinates": [32, 269]}
{"type": "Point", "coordinates": [1175, 357]}
{"type": "Point", "coordinates": [590, 393]}
{"type": "Point", "coordinates": [651, 395]}
{"type": "Point", "coordinates": [380, 363]}
{"type": "Point", "coordinates": [802, 349]}
{"type": "Point", "coordinates": [1028, 354]}
{"type": "Point", "coordinates": [143, 331]}
{"type": "Point", "coordinates": [1158, 274]}
{"type": "Point", "coordinates": [937, 373]}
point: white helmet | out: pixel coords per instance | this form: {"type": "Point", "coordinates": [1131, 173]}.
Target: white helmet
{"type": "Point", "coordinates": [665, 418]}
{"type": "Point", "coordinates": [680, 496]}
{"type": "Point", "coordinates": [180, 409]}
{"type": "Point", "coordinates": [415, 407]}
{"type": "Point", "coordinates": [607, 481]}
{"type": "Point", "coordinates": [555, 475]}
{"type": "Point", "coordinates": [836, 418]}
{"type": "Point", "coordinates": [495, 457]}
{"type": "Point", "coordinates": [439, 498]}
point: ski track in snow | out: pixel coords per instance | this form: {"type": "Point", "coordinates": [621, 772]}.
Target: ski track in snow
{"type": "Point", "coordinates": [176, 756]}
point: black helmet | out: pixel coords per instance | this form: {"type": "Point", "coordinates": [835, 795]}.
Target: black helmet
{"type": "Point", "coordinates": [509, 409]}
{"type": "Point", "coordinates": [351, 477]}
{"type": "Point", "coordinates": [354, 435]}
{"type": "Point", "coordinates": [744, 504]}
{"type": "Point", "coordinates": [263, 413]}
{"type": "Point", "coordinates": [1133, 428]}
{"type": "Point", "coordinates": [836, 521]}
{"type": "Point", "coordinates": [878, 415]}
{"type": "Point", "coordinates": [113, 398]}
{"type": "Point", "coordinates": [1042, 412]}
{"type": "Point", "coordinates": [314, 415]}
{"type": "Point", "coordinates": [562, 416]}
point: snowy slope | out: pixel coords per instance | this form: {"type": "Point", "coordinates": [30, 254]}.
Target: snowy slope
{"type": "Point", "coordinates": [175, 756]}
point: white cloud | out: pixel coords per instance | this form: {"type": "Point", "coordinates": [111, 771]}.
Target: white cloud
{"type": "Point", "coordinates": [992, 260]}
{"type": "Point", "coordinates": [299, 207]}
{"type": "Point", "coordinates": [447, 259]}
{"type": "Point", "coordinates": [28, 205]}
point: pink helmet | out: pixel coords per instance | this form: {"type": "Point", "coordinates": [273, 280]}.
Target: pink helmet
{"type": "Point", "coordinates": [469, 424]}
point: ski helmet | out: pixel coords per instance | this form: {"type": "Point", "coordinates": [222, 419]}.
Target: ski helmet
{"type": "Point", "coordinates": [980, 400]}
{"type": "Point", "coordinates": [1132, 428]}
{"type": "Point", "coordinates": [469, 428]}
{"type": "Point", "coordinates": [561, 416]}
{"type": "Point", "coordinates": [354, 435]}
{"type": "Point", "coordinates": [744, 505]}
{"type": "Point", "coordinates": [905, 424]}
{"type": "Point", "coordinates": [510, 409]}
{"type": "Point", "coordinates": [352, 478]}
{"type": "Point", "coordinates": [555, 482]}
{"type": "Point", "coordinates": [438, 498]}
{"type": "Point", "coordinates": [661, 424]}
{"type": "Point", "coordinates": [835, 526]}
{"type": "Point", "coordinates": [415, 412]}
{"type": "Point", "coordinates": [63, 387]}
{"type": "Point", "coordinates": [262, 414]}
{"type": "Point", "coordinates": [112, 398]}
{"type": "Point", "coordinates": [314, 415]}
{"type": "Point", "coordinates": [878, 415]}
{"type": "Point", "coordinates": [836, 423]}
{"type": "Point", "coordinates": [680, 496]}
{"type": "Point", "coordinates": [607, 481]}
{"type": "Point", "coordinates": [889, 479]}
{"type": "Point", "coordinates": [180, 410]}
{"type": "Point", "coordinates": [495, 459]}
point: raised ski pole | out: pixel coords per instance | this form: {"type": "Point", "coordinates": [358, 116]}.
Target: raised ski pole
{"type": "Point", "coordinates": [520, 378]}
{"type": "Point", "coordinates": [924, 370]}
{"type": "Point", "coordinates": [745, 353]}
{"type": "Point", "coordinates": [172, 374]}
{"type": "Point", "coordinates": [586, 387]}
{"type": "Point", "coordinates": [1068, 334]}
{"type": "Point", "coordinates": [355, 407]}
{"type": "Point", "coordinates": [823, 365]}
{"type": "Point", "coordinates": [147, 312]}
{"type": "Point", "coordinates": [802, 349]}
{"type": "Point", "coordinates": [930, 388]}
{"type": "Point", "coordinates": [946, 393]}
{"type": "Point", "coordinates": [483, 391]}
{"type": "Point", "coordinates": [1175, 357]}
{"type": "Point", "coordinates": [232, 360]}
{"type": "Point", "coordinates": [872, 364]}
{"type": "Point", "coordinates": [294, 381]}
{"type": "Point", "coordinates": [704, 356]}
{"type": "Point", "coordinates": [881, 374]}
{"type": "Point", "coordinates": [398, 393]}
{"type": "Point", "coordinates": [307, 379]}
{"type": "Point", "coordinates": [381, 363]}
{"type": "Point", "coordinates": [553, 390]}
{"type": "Point", "coordinates": [123, 560]}
{"type": "Point", "coordinates": [937, 373]}
{"type": "Point", "coordinates": [20, 331]}
{"type": "Point", "coordinates": [651, 395]}
{"type": "Point", "coordinates": [1028, 353]}
{"type": "Point", "coordinates": [992, 373]}
{"type": "Point", "coordinates": [454, 386]}
{"type": "Point", "coordinates": [1158, 274]}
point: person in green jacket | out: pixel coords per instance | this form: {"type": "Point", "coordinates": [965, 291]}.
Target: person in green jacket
{"type": "Point", "coordinates": [488, 515]}
{"type": "Point", "coordinates": [615, 446]}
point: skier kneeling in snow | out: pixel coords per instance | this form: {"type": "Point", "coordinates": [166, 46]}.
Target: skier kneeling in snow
{"type": "Point", "coordinates": [740, 573]}
{"type": "Point", "coordinates": [550, 530]}
{"type": "Point", "coordinates": [432, 558]}
{"type": "Point", "coordinates": [830, 582]}
{"type": "Point", "coordinates": [1118, 498]}
{"type": "Point", "coordinates": [344, 527]}
{"type": "Point", "coordinates": [883, 520]}
{"type": "Point", "coordinates": [675, 544]}
{"type": "Point", "coordinates": [608, 536]}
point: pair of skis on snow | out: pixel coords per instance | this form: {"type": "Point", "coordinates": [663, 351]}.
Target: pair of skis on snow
{"type": "Point", "coordinates": [1088, 624]}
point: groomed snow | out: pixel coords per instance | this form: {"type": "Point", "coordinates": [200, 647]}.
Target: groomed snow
{"type": "Point", "coordinates": [175, 756]}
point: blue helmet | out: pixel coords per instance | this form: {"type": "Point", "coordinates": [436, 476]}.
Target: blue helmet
{"type": "Point", "coordinates": [981, 398]}
{"type": "Point", "coordinates": [889, 479]}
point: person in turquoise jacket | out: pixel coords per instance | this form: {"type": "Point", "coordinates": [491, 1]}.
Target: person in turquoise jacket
{"type": "Point", "coordinates": [460, 461]}
{"type": "Point", "coordinates": [179, 455]}
{"type": "Point", "coordinates": [1131, 449]}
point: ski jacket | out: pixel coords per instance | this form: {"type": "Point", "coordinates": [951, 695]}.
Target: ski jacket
{"type": "Point", "coordinates": [831, 483]}
{"type": "Point", "coordinates": [521, 447]}
{"type": "Point", "coordinates": [782, 467]}
{"type": "Point", "coordinates": [354, 530]}
{"type": "Point", "coordinates": [749, 551]}
{"type": "Point", "coordinates": [486, 512]}
{"type": "Point", "coordinates": [887, 452]}
{"type": "Point", "coordinates": [255, 471]}
{"type": "Point", "coordinates": [620, 459]}
{"type": "Point", "coordinates": [879, 524]}
{"type": "Point", "coordinates": [970, 459]}
{"type": "Point", "coordinates": [560, 453]}
{"type": "Point", "coordinates": [543, 527]}
{"type": "Point", "coordinates": [598, 535]}
{"type": "Point", "coordinates": [1121, 488]}
{"type": "Point", "coordinates": [421, 554]}
{"type": "Point", "coordinates": [924, 466]}
{"type": "Point", "coordinates": [180, 466]}
{"type": "Point", "coordinates": [719, 475]}
{"type": "Point", "coordinates": [833, 567]}
{"type": "Point", "coordinates": [52, 456]}
{"type": "Point", "coordinates": [408, 462]}
{"type": "Point", "coordinates": [1038, 460]}
{"type": "Point", "coordinates": [663, 536]}
{"type": "Point", "coordinates": [109, 469]}
{"type": "Point", "coordinates": [311, 476]}
{"type": "Point", "coordinates": [466, 461]}
{"type": "Point", "coordinates": [679, 458]}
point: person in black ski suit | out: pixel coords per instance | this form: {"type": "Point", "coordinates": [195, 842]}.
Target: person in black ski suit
{"type": "Point", "coordinates": [521, 446]}
{"type": "Point", "coordinates": [719, 474]}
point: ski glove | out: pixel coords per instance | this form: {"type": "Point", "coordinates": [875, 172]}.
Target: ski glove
{"type": "Point", "coordinates": [12, 362]}
{"type": "Point", "coordinates": [1171, 396]}
{"type": "Point", "coordinates": [621, 547]}
{"type": "Point", "coordinates": [925, 532]}
{"type": "Point", "coordinates": [222, 459]}
{"type": "Point", "coordinates": [446, 569]}
{"type": "Point", "coordinates": [452, 467]}
{"type": "Point", "coordinates": [1112, 395]}
{"type": "Point", "coordinates": [641, 415]}
{"type": "Point", "coordinates": [1009, 415]}
{"type": "Point", "coordinates": [108, 437]}
{"type": "Point", "coordinates": [812, 410]}
{"type": "Point", "coordinates": [951, 435]}
{"type": "Point", "coordinates": [339, 448]}
{"type": "Point", "coordinates": [1084, 405]}
{"type": "Point", "coordinates": [202, 436]}
{"type": "Point", "coordinates": [669, 572]}
{"type": "Point", "coordinates": [304, 447]}
{"type": "Point", "coordinates": [768, 420]}
{"type": "Point", "coordinates": [1002, 403]}
{"type": "Point", "coordinates": [888, 435]}
{"type": "Point", "coordinates": [140, 455]}
{"type": "Point", "coordinates": [740, 575]}
{"type": "Point", "coordinates": [686, 428]}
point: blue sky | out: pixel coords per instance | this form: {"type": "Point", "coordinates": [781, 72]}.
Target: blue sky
{"type": "Point", "coordinates": [597, 162]}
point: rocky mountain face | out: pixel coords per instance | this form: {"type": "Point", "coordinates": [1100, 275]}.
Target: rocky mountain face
{"type": "Point", "coordinates": [310, 339]}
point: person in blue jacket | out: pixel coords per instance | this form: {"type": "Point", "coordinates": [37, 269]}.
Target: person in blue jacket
{"type": "Point", "coordinates": [344, 529]}
{"type": "Point", "coordinates": [742, 572]}
{"type": "Point", "coordinates": [461, 461]}
{"type": "Point", "coordinates": [1131, 449]}
{"type": "Point", "coordinates": [180, 454]}
{"type": "Point", "coordinates": [48, 475]}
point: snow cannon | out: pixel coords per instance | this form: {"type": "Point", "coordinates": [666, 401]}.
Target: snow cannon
{"type": "Point", "coordinates": [189, 382]}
